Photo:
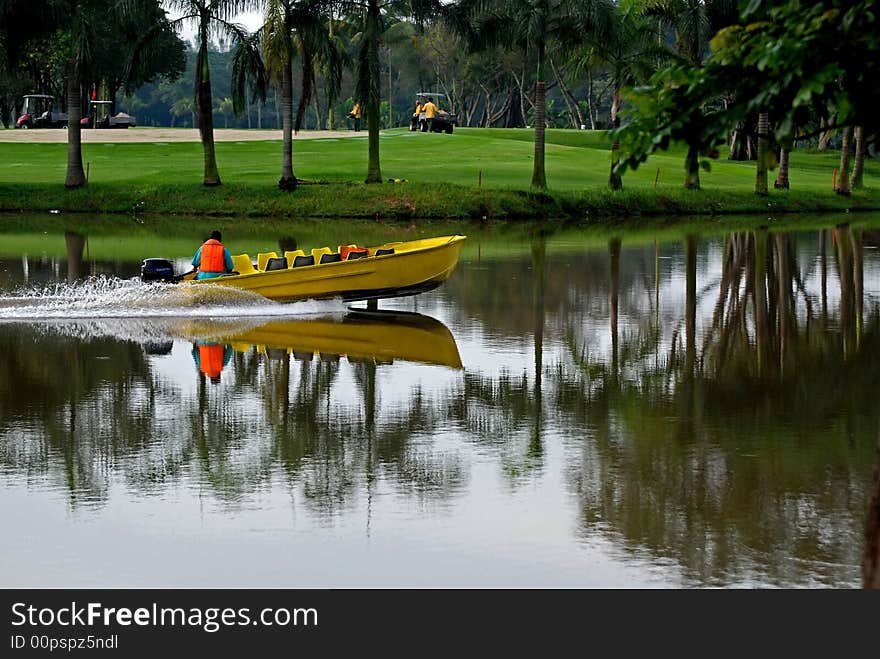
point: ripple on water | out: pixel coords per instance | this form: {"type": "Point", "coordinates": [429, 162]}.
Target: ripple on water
{"type": "Point", "coordinates": [112, 297]}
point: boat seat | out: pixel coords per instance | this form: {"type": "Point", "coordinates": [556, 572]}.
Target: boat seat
{"type": "Point", "coordinates": [290, 256]}
{"type": "Point", "coordinates": [299, 261]}
{"type": "Point", "coordinates": [277, 263]}
{"type": "Point", "coordinates": [383, 252]}
{"type": "Point", "coordinates": [263, 259]}
{"type": "Point", "coordinates": [303, 356]}
{"type": "Point", "coordinates": [241, 263]}
{"type": "Point", "coordinates": [324, 255]}
{"type": "Point", "coordinates": [359, 254]}
{"type": "Point", "coordinates": [319, 252]}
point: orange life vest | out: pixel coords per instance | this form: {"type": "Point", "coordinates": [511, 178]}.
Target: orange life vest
{"type": "Point", "coordinates": [212, 257]}
{"type": "Point", "coordinates": [211, 360]}
{"type": "Point", "coordinates": [345, 250]}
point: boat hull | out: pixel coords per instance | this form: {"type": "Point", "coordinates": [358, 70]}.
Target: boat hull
{"type": "Point", "coordinates": [415, 267]}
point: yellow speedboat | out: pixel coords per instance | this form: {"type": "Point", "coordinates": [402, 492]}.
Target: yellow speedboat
{"type": "Point", "coordinates": [353, 273]}
{"type": "Point", "coordinates": [381, 336]}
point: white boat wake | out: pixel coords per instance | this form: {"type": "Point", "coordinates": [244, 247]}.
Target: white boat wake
{"type": "Point", "coordinates": [115, 298]}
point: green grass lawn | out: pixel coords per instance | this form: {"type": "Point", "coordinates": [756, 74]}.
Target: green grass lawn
{"type": "Point", "coordinates": [442, 173]}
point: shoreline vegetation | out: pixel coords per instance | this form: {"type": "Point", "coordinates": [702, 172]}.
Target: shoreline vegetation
{"type": "Point", "coordinates": [125, 237]}
{"type": "Point", "coordinates": [474, 174]}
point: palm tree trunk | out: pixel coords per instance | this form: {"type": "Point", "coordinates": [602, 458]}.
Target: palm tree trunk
{"type": "Point", "coordinates": [858, 173]}
{"type": "Point", "coordinates": [374, 172]}
{"type": "Point", "coordinates": [287, 180]}
{"type": "Point", "coordinates": [204, 107]}
{"type": "Point", "coordinates": [759, 298]}
{"type": "Point", "coordinates": [692, 169]}
{"type": "Point", "coordinates": [76, 176]}
{"type": "Point", "coordinates": [845, 157]}
{"type": "Point", "coordinates": [539, 177]}
{"type": "Point", "coordinates": [614, 302]}
{"type": "Point", "coordinates": [763, 153]}
{"type": "Point", "coordinates": [75, 242]}
{"type": "Point", "coordinates": [825, 136]}
{"type": "Point", "coordinates": [330, 98]}
{"type": "Point", "coordinates": [590, 99]}
{"type": "Point", "coordinates": [781, 182]}
{"type": "Point", "coordinates": [615, 182]}
{"type": "Point", "coordinates": [690, 305]}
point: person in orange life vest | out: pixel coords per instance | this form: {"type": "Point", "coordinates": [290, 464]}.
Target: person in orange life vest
{"type": "Point", "coordinates": [211, 358]}
{"type": "Point", "coordinates": [212, 259]}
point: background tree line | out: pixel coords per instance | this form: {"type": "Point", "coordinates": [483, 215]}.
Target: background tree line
{"type": "Point", "coordinates": [703, 73]}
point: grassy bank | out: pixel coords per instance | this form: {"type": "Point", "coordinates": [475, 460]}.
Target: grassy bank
{"type": "Point", "coordinates": [472, 174]}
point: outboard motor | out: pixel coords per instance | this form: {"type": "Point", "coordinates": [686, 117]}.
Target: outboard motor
{"type": "Point", "coordinates": [157, 270]}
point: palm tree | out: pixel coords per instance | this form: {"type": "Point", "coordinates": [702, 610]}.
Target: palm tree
{"type": "Point", "coordinates": [212, 18]}
{"type": "Point", "coordinates": [781, 182]}
{"type": "Point", "coordinates": [372, 18]}
{"type": "Point", "coordinates": [695, 22]}
{"type": "Point", "coordinates": [628, 49]}
{"type": "Point", "coordinates": [293, 25]}
{"type": "Point", "coordinates": [843, 186]}
{"type": "Point", "coordinates": [531, 26]}
{"type": "Point", "coordinates": [858, 173]}
{"type": "Point", "coordinates": [763, 153]}
{"type": "Point", "coordinates": [83, 21]}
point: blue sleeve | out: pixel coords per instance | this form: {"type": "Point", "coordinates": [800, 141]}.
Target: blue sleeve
{"type": "Point", "coordinates": [197, 258]}
{"type": "Point", "coordinates": [227, 260]}
{"type": "Point", "coordinates": [195, 356]}
{"type": "Point", "coordinates": [227, 354]}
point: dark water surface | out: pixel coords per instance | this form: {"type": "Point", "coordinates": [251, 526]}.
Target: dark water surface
{"type": "Point", "coordinates": [570, 410]}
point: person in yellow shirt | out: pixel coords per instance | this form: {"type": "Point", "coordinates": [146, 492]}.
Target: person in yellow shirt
{"type": "Point", "coordinates": [414, 123]}
{"type": "Point", "coordinates": [355, 115]}
{"type": "Point", "coordinates": [431, 111]}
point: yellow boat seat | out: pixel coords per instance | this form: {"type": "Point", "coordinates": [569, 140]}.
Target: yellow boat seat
{"type": "Point", "coordinates": [263, 259]}
{"type": "Point", "coordinates": [324, 255]}
{"type": "Point", "coordinates": [290, 256]}
{"type": "Point", "coordinates": [241, 263]}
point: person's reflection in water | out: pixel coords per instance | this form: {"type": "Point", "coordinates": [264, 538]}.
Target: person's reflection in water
{"type": "Point", "coordinates": [211, 358]}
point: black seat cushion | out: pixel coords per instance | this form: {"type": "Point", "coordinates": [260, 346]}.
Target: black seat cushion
{"type": "Point", "coordinates": [356, 255]}
{"type": "Point", "coordinates": [303, 260]}
{"type": "Point", "coordinates": [383, 252]}
{"type": "Point", "coordinates": [331, 258]}
{"type": "Point", "coordinates": [279, 263]}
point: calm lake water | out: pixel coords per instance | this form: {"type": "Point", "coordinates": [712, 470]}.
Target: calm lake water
{"type": "Point", "coordinates": [649, 410]}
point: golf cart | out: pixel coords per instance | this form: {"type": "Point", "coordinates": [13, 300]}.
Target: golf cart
{"type": "Point", "coordinates": [444, 122]}
{"type": "Point", "coordinates": [100, 117]}
{"type": "Point", "coordinates": [38, 113]}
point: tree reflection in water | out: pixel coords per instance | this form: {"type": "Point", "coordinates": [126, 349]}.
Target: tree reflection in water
{"type": "Point", "coordinates": [744, 457]}
{"type": "Point", "coordinates": [712, 402]}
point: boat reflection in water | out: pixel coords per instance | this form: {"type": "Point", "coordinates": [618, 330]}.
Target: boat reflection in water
{"type": "Point", "coordinates": [380, 336]}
